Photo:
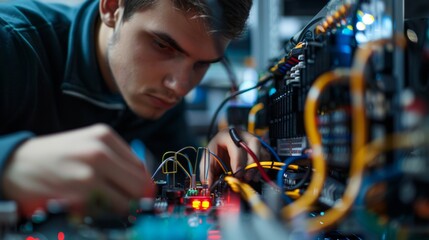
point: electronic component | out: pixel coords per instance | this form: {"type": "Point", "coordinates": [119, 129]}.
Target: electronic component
{"type": "Point", "coordinates": [343, 113]}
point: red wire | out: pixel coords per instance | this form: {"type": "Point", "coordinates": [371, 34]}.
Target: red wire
{"type": "Point", "coordinates": [260, 168]}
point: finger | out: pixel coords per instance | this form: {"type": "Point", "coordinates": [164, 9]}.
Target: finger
{"type": "Point", "coordinates": [115, 142]}
{"type": "Point", "coordinates": [126, 159]}
{"type": "Point", "coordinates": [132, 179]}
{"type": "Point", "coordinates": [237, 156]}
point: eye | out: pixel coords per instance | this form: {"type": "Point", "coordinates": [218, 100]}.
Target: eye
{"type": "Point", "coordinates": [161, 46]}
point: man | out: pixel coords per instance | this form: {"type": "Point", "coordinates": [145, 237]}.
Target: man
{"type": "Point", "coordinates": [124, 64]}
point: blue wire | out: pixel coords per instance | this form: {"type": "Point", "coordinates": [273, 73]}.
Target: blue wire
{"type": "Point", "coordinates": [270, 149]}
{"type": "Point", "coordinates": [280, 174]}
{"type": "Point", "coordinates": [387, 173]}
{"type": "Point", "coordinates": [220, 160]}
{"type": "Point", "coordinates": [287, 162]}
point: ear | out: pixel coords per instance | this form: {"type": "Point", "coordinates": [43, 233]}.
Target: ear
{"type": "Point", "coordinates": [108, 12]}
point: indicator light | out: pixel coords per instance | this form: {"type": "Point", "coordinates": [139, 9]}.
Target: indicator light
{"type": "Point", "coordinates": [201, 203]}
{"type": "Point", "coordinates": [205, 204]}
{"type": "Point", "coordinates": [196, 204]}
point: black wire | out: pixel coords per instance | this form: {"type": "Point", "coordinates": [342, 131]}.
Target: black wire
{"type": "Point", "coordinates": [217, 182]}
{"type": "Point", "coordinates": [231, 76]}
{"type": "Point", "coordinates": [305, 29]}
{"type": "Point", "coordinates": [301, 182]}
{"type": "Point", "coordinates": [234, 136]}
{"type": "Point", "coordinates": [212, 123]}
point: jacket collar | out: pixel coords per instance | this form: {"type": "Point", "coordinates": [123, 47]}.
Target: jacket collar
{"type": "Point", "coordinates": [82, 77]}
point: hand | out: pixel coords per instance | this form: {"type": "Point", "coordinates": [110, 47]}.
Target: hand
{"type": "Point", "coordinates": [236, 158]}
{"type": "Point", "coordinates": [73, 167]}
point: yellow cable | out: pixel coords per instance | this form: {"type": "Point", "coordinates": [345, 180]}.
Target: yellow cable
{"type": "Point", "coordinates": [268, 164]}
{"type": "Point", "coordinates": [303, 204]}
{"type": "Point", "coordinates": [180, 165]}
{"type": "Point", "coordinates": [250, 196]}
{"type": "Point", "coordinates": [175, 158]}
{"type": "Point", "coordinates": [293, 194]}
{"type": "Point", "coordinates": [196, 159]}
{"type": "Point", "coordinates": [362, 158]}
{"type": "Point", "coordinates": [252, 117]}
{"type": "Point", "coordinates": [361, 154]}
{"type": "Point", "coordinates": [221, 166]}
{"type": "Point", "coordinates": [357, 89]}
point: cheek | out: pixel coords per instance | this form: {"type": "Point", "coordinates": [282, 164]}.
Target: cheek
{"type": "Point", "coordinates": [136, 66]}
{"type": "Point", "coordinates": [128, 67]}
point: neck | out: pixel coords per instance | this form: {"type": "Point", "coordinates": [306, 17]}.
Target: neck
{"type": "Point", "coordinates": [103, 34]}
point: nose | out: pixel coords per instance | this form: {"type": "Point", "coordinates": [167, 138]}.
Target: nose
{"type": "Point", "coordinates": [179, 80]}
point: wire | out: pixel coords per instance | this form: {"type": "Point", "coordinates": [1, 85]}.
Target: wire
{"type": "Point", "coordinates": [175, 158]}
{"type": "Point", "coordinates": [250, 196]}
{"type": "Point", "coordinates": [206, 158]}
{"type": "Point", "coordinates": [206, 166]}
{"type": "Point", "coordinates": [252, 117]}
{"type": "Point", "coordinates": [286, 165]}
{"type": "Point", "coordinates": [305, 29]}
{"type": "Point", "coordinates": [361, 159]}
{"type": "Point", "coordinates": [266, 165]}
{"type": "Point", "coordinates": [240, 143]}
{"type": "Point", "coordinates": [315, 186]}
{"type": "Point", "coordinates": [260, 168]}
{"type": "Point", "coordinates": [270, 149]}
{"type": "Point", "coordinates": [189, 162]}
{"type": "Point", "coordinates": [281, 173]}
{"type": "Point", "coordinates": [362, 154]}
{"type": "Point", "coordinates": [269, 164]}
{"type": "Point", "coordinates": [303, 180]}
{"type": "Point", "coordinates": [231, 76]}
{"type": "Point", "coordinates": [170, 159]}
{"type": "Point", "coordinates": [220, 162]}
{"type": "Point", "coordinates": [264, 79]}
{"type": "Point", "coordinates": [323, 12]}
{"type": "Point", "coordinates": [357, 88]}
{"type": "Point", "coordinates": [293, 193]}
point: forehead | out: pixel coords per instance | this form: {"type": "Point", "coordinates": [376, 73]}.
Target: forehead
{"type": "Point", "coordinates": [186, 26]}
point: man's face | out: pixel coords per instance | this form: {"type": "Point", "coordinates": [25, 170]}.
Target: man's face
{"type": "Point", "coordinates": [157, 56]}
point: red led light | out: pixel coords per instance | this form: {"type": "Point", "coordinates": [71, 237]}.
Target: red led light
{"type": "Point", "coordinates": [206, 204]}
{"type": "Point", "coordinates": [61, 236]}
{"type": "Point", "coordinates": [31, 238]}
{"type": "Point", "coordinates": [199, 202]}
{"type": "Point", "coordinates": [196, 204]}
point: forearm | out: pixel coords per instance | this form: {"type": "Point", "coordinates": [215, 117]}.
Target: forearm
{"type": "Point", "coordinates": [8, 144]}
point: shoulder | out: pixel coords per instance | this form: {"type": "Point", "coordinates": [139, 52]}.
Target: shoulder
{"type": "Point", "coordinates": [26, 13]}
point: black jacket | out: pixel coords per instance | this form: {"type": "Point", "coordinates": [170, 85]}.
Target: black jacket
{"type": "Point", "coordinates": [50, 81]}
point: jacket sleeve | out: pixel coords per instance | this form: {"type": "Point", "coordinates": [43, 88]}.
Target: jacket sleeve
{"type": "Point", "coordinates": [8, 144]}
{"type": "Point", "coordinates": [12, 91]}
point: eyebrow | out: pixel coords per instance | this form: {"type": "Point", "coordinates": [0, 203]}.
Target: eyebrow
{"type": "Point", "coordinates": [173, 43]}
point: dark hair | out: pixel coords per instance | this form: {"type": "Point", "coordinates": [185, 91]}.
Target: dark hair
{"type": "Point", "coordinates": [227, 17]}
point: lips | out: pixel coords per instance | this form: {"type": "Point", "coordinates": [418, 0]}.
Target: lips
{"type": "Point", "coordinates": [160, 102]}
